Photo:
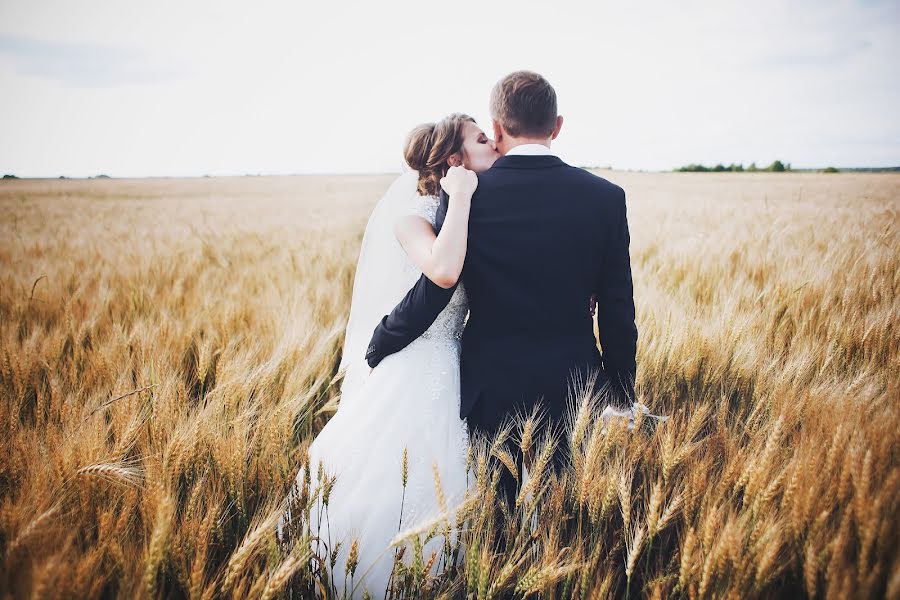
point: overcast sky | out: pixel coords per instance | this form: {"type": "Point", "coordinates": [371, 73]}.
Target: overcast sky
{"type": "Point", "coordinates": [131, 88]}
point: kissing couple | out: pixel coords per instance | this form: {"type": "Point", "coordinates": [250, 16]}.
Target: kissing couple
{"type": "Point", "coordinates": [479, 276]}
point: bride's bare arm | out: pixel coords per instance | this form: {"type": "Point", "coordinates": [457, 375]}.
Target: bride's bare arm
{"type": "Point", "coordinates": [440, 257]}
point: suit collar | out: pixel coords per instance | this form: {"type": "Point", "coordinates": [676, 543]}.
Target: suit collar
{"type": "Point", "coordinates": [523, 161]}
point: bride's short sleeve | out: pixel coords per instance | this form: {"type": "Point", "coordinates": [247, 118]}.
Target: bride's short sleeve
{"type": "Point", "coordinates": [427, 207]}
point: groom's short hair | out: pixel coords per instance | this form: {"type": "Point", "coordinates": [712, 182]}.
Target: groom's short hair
{"type": "Point", "coordinates": [524, 103]}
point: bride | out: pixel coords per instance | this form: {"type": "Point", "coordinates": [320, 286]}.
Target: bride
{"type": "Point", "coordinates": [397, 431]}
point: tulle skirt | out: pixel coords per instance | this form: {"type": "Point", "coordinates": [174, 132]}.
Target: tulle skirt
{"type": "Point", "coordinates": [410, 402]}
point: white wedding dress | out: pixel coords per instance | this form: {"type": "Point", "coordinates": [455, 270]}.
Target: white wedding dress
{"type": "Point", "coordinates": [411, 400]}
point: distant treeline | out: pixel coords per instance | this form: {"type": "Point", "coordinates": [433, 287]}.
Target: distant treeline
{"type": "Point", "coordinates": [776, 166]}
{"type": "Point", "coordinates": [871, 170]}
{"type": "Point", "coordinates": [779, 167]}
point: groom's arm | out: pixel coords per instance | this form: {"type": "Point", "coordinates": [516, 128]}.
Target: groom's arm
{"type": "Point", "coordinates": [615, 309]}
{"type": "Point", "coordinates": [416, 311]}
{"type": "Point", "coordinates": [409, 319]}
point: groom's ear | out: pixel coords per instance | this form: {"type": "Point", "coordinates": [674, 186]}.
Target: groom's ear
{"type": "Point", "coordinates": [559, 122]}
{"type": "Point", "coordinates": [498, 132]}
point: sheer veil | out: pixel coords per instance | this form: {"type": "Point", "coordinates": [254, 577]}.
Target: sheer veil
{"type": "Point", "coordinates": [382, 278]}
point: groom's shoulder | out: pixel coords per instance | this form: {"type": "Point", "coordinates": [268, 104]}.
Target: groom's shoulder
{"type": "Point", "coordinates": [595, 183]}
{"type": "Point", "coordinates": [569, 173]}
{"type": "Point", "coordinates": [575, 181]}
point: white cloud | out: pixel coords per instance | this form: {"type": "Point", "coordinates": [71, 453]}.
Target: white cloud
{"type": "Point", "coordinates": [213, 87]}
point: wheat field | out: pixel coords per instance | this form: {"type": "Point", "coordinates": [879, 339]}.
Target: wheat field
{"type": "Point", "coordinates": [168, 347]}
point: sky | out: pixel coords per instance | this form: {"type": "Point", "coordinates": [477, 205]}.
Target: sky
{"type": "Point", "coordinates": [215, 87]}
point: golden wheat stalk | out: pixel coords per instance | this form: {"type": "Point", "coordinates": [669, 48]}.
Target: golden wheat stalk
{"type": "Point", "coordinates": [634, 545]}
{"type": "Point", "coordinates": [33, 526]}
{"type": "Point", "coordinates": [251, 544]}
{"type": "Point", "coordinates": [548, 446]}
{"type": "Point", "coordinates": [438, 489]}
{"type": "Point", "coordinates": [114, 472]}
{"type": "Point", "coordinates": [159, 541]}
{"type": "Point", "coordinates": [504, 456]}
{"type": "Point", "coordinates": [288, 568]}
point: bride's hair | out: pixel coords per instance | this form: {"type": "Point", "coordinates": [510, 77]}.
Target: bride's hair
{"type": "Point", "coordinates": [428, 147]}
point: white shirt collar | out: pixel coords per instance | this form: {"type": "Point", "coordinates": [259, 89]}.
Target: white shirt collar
{"type": "Point", "coordinates": [531, 150]}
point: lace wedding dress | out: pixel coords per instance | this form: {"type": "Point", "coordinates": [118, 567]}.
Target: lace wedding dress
{"type": "Point", "coordinates": [410, 401]}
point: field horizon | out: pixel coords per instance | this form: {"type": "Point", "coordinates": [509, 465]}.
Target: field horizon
{"type": "Point", "coordinates": [593, 169]}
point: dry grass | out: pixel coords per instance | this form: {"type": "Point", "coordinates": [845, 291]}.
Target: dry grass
{"type": "Point", "coordinates": [168, 347]}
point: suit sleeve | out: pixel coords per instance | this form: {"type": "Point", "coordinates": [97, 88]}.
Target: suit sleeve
{"type": "Point", "coordinates": [414, 314]}
{"type": "Point", "coordinates": [409, 319]}
{"type": "Point", "coordinates": [615, 308]}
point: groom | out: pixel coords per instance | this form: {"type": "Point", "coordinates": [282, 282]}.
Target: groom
{"type": "Point", "coordinates": [544, 238]}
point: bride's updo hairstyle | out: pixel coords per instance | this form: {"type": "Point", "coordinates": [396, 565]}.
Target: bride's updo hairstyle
{"type": "Point", "coordinates": [428, 147]}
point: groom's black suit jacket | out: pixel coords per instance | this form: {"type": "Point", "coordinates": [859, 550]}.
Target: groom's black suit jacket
{"type": "Point", "coordinates": [543, 237]}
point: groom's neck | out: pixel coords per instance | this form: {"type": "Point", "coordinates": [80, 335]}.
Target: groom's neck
{"type": "Point", "coordinates": [511, 143]}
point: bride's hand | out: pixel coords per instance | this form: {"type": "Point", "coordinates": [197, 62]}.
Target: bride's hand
{"type": "Point", "coordinates": [459, 182]}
